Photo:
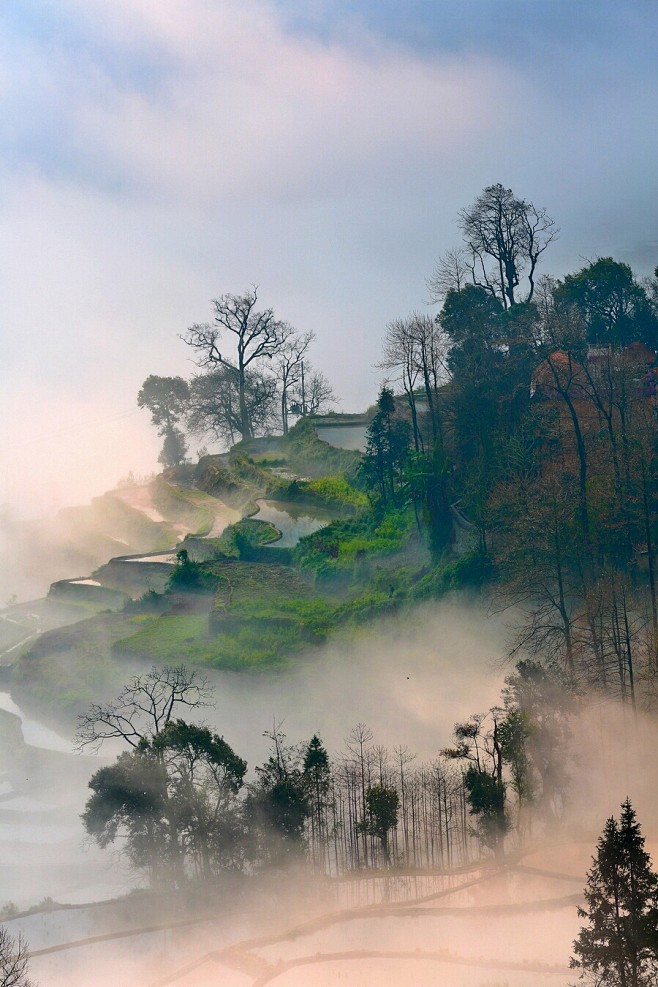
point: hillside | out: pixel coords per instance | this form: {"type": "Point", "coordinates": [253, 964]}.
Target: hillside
{"type": "Point", "coordinates": [228, 593]}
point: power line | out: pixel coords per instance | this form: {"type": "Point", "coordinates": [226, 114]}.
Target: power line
{"type": "Point", "coordinates": [82, 427]}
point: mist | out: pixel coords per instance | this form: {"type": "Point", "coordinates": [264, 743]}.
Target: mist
{"type": "Point", "coordinates": [409, 683]}
{"type": "Point", "coordinates": [157, 156]}
{"type": "Point", "coordinates": [130, 201]}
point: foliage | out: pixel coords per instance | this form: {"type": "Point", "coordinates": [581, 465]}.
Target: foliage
{"type": "Point", "coordinates": [535, 738]}
{"type": "Point", "coordinates": [176, 795]}
{"type": "Point", "coordinates": [167, 399]}
{"type": "Point", "coordinates": [615, 309]}
{"type": "Point", "coordinates": [340, 550]}
{"type": "Point", "coordinates": [239, 540]}
{"type": "Point", "coordinates": [332, 492]}
{"type": "Point", "coordinates": [173, 797]}
{"type": "Point", "coordinates": [278, 803]}
{"type": "Point", "coordinates": [619, 945]}
{"type": "Point", "coordinates": [310, 456]}
{"type": "Point", "coordinates": [387, 451]}
{"type": "Point", "coordinates": [479, 742]}
{"type": "Point", "coordinates": [192, 507]}
{"type": "Point", "coordinates": [167, 637]}
{"type": "Point", "coordinates": [191, 576]}
{"type": "Point", "coordinates": [174, 448]}
{"type": "Point", "coordinates": [382, 805]}
{"type": "Point", "coordinates": [486, 800]}
{"type": "Point", "coordinates": [173, 794]}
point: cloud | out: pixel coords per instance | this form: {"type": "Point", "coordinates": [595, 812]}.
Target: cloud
{"type": "Point", "coordinates": [161, 153]}
{"type": "Point", "coordinates": [246, 112]}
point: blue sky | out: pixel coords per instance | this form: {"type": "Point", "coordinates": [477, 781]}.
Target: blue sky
{"type": "Point", "coordinates": [156, 153]}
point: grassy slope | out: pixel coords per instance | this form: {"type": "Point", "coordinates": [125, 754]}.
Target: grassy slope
{"type": "Point", "coordinates": [185, 505]}
{"type": "Point", "coordinates": [243, 608]}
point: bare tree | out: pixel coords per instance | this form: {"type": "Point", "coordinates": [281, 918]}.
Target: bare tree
{"type": "Point", "coordinates": [256, 336]}
{"type": "Point", "coordinates": [505, 237]}
{"type": "Point", "coordinates": [14, 958]}
{"type": "Point", "coordinates": [214, 404]}
{"type": "Point", "coordinates": [143, 708]}
{"type": "Point", "coordinates": [318, 392]}
{"type": "Point", "coordinates": [416, 349]}
{"type": "Point", "coordinates": [289, 367]}
{"type": "Point", "coordinates": [450, 274]}
{"type": "Point", "coordinates": [400, 357]}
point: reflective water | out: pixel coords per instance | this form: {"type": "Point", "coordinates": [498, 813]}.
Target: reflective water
{"type": "Point", "coordinates": [294, 521]}
{"type": "Point", "coordinates": [35, 734]}
{"type": "Point", "coordinates": [343, 436]}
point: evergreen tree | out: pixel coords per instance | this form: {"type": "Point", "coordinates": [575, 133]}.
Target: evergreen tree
{"type": "Point", "coordinates": [174, 448]}
{"type": "Point", "coordinates": [382, 804]}
{"type": "Point", "coordinates": [387, 449]}
{"type": "Point", "coordinates": [317, 779]}
{"type": "Point", "coordinates": [619, 946]}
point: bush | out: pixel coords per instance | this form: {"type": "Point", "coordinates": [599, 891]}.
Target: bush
{"type": "Point", "coordinates": [469, 571]}
{"type": "Point", "coordinates": [191, 576]}
{"type": "Point", "coordinates": [329, 492]}
{"type": "Point", "coordinates": [340, 549]}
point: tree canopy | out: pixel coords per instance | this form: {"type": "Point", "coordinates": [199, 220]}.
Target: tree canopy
{"type": "Point", "coordinates": [504, 237]}
{"type": "Point", "coordinates": [619, 945]}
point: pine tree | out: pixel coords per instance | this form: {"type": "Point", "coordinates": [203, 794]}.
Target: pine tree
{"type": "Point", "coordinates": [619, 946]}
{"type": "Point", "coordinates": [387, 450]}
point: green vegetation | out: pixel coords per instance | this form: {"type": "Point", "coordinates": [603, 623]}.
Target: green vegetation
{"type": "Point", "coordinates": [343, 550]}
{"type": "Point", "coordinates": [514, 453]}
{"type": "Point", "coordinates": [164, 638]}
{"type": "Point", "coordinates": [66, 668]}
{"type": "Point", "coordinates": [618, 947]}
{"type": "Point", "coordinates": [238, 540]}
{"type": "Point", "coordinates": [332, 492]}
{"type": "Point", "coordinates": [308, 455]}
{"type": "Point", "coordinates": [108, 527]}
{"type": "Point", "coordinates": [175, 794]}
{"type": "Point", "coordinates": [183, 504]}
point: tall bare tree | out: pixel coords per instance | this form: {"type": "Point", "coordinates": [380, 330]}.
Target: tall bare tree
{"type": "Point", "coordinates": [289, 367]}
{"type": "Point", "coordinates": [255, 336]}
{"type": "Point", "coordinates": [214, 403]}
{"type": "Point", "coordinates": [505, 236]}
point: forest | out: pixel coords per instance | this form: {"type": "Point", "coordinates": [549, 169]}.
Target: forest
{"type": "Point", "coordinates": [509, 461]}
{"type": "Point", "coordinates": [515, 434]}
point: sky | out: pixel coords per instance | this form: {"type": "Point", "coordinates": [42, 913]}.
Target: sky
{"type": "Point", "coordinates": [155, 154]}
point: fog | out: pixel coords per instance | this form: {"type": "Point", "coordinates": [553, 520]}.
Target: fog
{"type": "Point", "coordinates": [156, 155]}
{"type": "Point", "coordinates": [409, 681]}
{"type": "Point", "coordinates": [409, 684]}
